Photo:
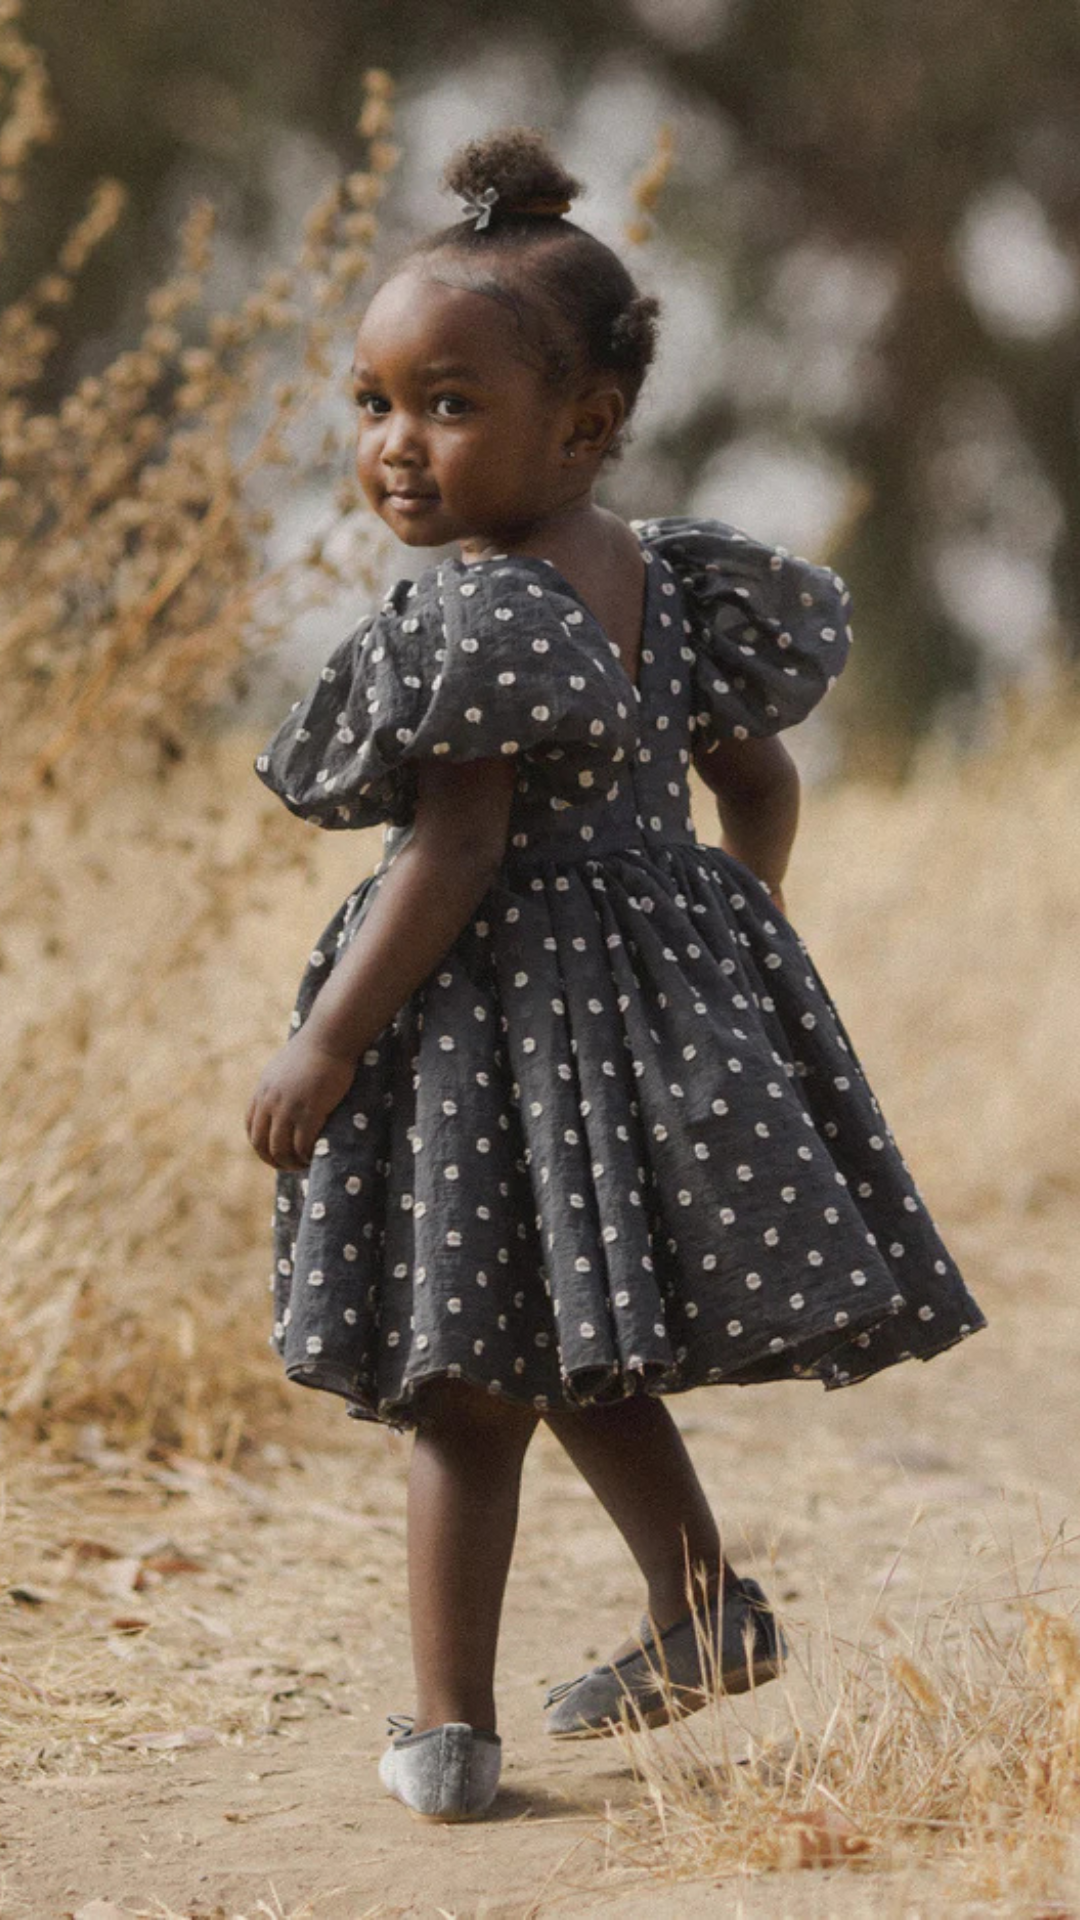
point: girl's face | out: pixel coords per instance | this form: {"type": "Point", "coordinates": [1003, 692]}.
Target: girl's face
{"type": "Point", "coordinates": [459, 438]}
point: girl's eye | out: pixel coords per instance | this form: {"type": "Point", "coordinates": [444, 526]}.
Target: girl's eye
{"type": "Point", "coordinates": [449, 406]}
{"type": "Point", "coordinates": [373, 403]}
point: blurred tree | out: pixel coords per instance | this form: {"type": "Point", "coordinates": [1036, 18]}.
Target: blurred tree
{"type": "Point", "coordinates": [862, 129]}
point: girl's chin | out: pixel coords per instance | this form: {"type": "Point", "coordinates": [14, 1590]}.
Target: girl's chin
{"type": "Point", "coordinates": [417, 525]}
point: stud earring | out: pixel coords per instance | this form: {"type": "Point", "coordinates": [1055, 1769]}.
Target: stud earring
{"type": "Point", "coordinates": [571, 453]}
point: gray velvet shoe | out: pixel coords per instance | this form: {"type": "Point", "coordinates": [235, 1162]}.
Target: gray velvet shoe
{"type": "Point", "coordinates": [449, 1773]}
{"type": "Point", "coordinates": [675, 1674]}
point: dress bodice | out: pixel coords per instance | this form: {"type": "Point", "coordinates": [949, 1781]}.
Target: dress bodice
{"type": "Point", "coordinates": [645, 795]}
{"type": "Point", "coordinates": [503, 656]}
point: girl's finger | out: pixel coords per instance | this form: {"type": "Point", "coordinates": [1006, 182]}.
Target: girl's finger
{"type": "Point", "coordinates": [259, 1131]}
{"type": "Point", "coordinates": [305, 1134]}
{"type": "Point", "coordinates": [283, 1145]}
{"type": "Point", "coordinates": [281, 1140]}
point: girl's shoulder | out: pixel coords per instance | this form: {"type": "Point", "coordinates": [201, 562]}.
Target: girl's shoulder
{"type": "Point", "coordinates": [770, 629]}
{"type": "Point", "coordinates": [697, 546]}
{"type": "Point", "coordinates": [464, 662]}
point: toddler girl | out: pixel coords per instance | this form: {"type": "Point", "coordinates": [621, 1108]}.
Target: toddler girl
{"type": "Point", "coordinates": [568, 1122]}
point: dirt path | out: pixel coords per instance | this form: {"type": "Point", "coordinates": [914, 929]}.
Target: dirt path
{"type": "Point", "coordinates": [281, 1651]}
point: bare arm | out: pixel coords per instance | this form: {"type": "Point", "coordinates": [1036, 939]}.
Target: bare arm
{"type": "Point", "coordinates": [429, 893]}
{"type": "Point", "coordinates": [756, 784]}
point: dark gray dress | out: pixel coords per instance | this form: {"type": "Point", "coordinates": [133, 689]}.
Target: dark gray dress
{"type": "Point", "coordinates": [619, 1138]}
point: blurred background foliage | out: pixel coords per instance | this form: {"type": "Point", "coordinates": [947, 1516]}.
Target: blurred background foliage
{"type": "Point", "coordinates": [869, 253]}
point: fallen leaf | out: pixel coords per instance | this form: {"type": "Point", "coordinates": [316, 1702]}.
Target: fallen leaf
{"type": "Point", "coordinates": [819, 1837]}
{"type": "Point", "coordinates": [27, 1596]}
{"type": "Point", "coordinates": [172, 1561]}
{"type": "Point", "coordinates": [92, 1550]}
{"type": "Point", "coordinates": [128, 1623]}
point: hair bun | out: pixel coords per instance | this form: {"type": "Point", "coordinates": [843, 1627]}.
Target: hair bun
{"type": "Point", "coordinates": [515, 166]}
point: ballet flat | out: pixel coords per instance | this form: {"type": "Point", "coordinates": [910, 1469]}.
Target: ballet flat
{"type": "Point", "coordinates": [449, 1773]}
{"type": "Point", "coordinates": [673, 1674]}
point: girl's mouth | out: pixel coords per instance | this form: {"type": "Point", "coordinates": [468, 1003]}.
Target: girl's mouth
{"type": "Point", "coordinates": [412, 502]}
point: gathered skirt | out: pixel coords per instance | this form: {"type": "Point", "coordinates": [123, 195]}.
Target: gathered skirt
{"type": "Point", "coordinates": [618, 1140]}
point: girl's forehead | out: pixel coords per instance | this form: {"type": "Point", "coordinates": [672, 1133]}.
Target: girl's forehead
{"type": "Point", "coordinates": [420, 317]}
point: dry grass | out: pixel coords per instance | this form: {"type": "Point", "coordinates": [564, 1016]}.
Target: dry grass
{"type": "Point", "coordinates": [146, 980]}
{"type": "Point", "coordinates": [946, 914]}
{"type": "Point", "coordinates": [134, 521]}
{"type": "Point", "coordinates": [954, 1744]}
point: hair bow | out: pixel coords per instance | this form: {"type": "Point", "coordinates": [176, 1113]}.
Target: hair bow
{"type": "Point", "coordinates": [478, 206]}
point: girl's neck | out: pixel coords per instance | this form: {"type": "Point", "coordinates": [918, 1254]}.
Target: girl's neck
{"type": "Point", "coordinates": [564, 536]}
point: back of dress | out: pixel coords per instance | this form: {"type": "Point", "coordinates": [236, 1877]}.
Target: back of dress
{"type": "Point", "coordinates": [619, 1138]}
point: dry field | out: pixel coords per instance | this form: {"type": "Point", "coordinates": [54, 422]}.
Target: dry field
{"type": "Point", "coordinates": [203, 1575]}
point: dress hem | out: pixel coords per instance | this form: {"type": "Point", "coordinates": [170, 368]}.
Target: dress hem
{"type": "Point", "coordinates": [617, 1383]}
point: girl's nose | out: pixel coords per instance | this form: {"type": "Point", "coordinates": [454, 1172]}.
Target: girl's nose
{"type": "Point", "coordinates": [401, 444]}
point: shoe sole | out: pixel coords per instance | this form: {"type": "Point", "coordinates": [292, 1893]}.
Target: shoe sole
{"type": "Point", "coordinates": [684, 1701]}
{"type": "Point", "coordinates": [444, 1819]}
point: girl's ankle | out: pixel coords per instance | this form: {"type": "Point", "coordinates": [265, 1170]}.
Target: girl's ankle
{"type": "Point", "coordinates": [478, 1715]}
{"type": "Point", "coordinates": [668, 1606]}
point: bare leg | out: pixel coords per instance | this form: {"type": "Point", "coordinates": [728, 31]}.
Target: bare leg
{"type": "Point", "coordinates": [464, 1483]}
{"type": "Point", "coordinates": [633, 1457]}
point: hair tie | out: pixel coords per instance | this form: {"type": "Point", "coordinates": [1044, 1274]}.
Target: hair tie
{"type": "Point", "coordinates": [477, 206]}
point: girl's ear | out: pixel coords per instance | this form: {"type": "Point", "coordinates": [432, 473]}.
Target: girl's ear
{"type": "Point", "coordinates": [596, 419]}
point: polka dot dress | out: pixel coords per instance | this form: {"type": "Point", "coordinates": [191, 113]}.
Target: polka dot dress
{"type": "Point", "coordinates": [619, 1139]}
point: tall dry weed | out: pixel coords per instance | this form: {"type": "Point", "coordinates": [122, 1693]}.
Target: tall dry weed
{"type": "Point", "coordinates": [136, 516]}
{"type": "Point", "coordinates": [133, 528]}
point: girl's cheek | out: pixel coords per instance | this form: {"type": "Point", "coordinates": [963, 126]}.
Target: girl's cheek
{"type": "Point", "coordinates": [367, 464]}
{"type": "Point", "coordinates": [369, 486]}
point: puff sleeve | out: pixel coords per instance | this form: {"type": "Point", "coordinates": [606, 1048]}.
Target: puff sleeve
{"type": "Point", "coordinates": [470, 661]}
{"type": "Point", "coordinates": [771, 631]}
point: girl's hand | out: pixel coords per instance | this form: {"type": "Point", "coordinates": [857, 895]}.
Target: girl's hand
{"type": "Point", "coordinates": [299, 1087]}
